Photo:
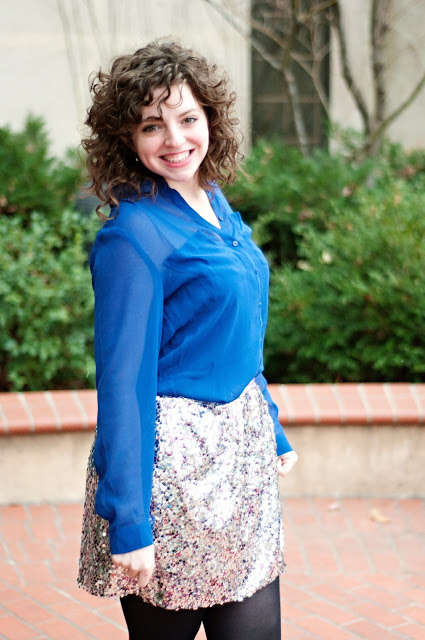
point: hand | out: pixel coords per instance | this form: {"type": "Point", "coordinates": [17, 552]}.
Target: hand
{"type": "Point", "coordinates": [139, 563]}
{"type": "Point", "coordinates": [286, 462]}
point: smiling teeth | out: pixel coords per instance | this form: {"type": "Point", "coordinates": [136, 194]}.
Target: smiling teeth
{"type": "Point", "coordinates": [179, 157]}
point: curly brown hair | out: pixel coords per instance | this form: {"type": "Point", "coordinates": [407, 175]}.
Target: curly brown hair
{"type": "Point", "coordinates": [116, 111]}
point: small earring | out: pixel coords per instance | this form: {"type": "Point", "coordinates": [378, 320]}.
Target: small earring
{"type": "Point", "coordinates": [137, 159]}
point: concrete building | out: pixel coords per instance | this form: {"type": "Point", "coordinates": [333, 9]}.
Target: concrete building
{"type": "Point", "coordinates": [49, 48]}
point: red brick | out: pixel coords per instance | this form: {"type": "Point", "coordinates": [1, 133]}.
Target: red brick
{"type": "Point", "coordinates": [353, 408]}
{"type": "Point", "coordinates": [41, 512]}
{"type": "Point", "coordinates": [383, 597]}
{"type": "Point", "coordinates": [35, 572]}
{"type": "Point", "coordinates": [17, 419]}
{"type": "Point", "coordinates": [71, 416]}
{"type": "Point", "coordinates": [375, 613]}
{"type": "Point", "coordinates": [293, 612]}
{"type": "Point", "coordinates": [418, 392]}
{"type": "Point", "coordinates": [64, 568]}
{"type": "Point", "coordinates": [351, 555]}
{"type": "Point", "coordinates": [325, 401]}
{"type": "Point", "coordinates": [368, 630]}
{"type": "Point", "coordinates": [393, 584]}
{"type": "Point", "coordinates": [88, 400]}
{"type": "Point", "coordinates": [7, 594]}
{"type": "Point", "coordinates": [317, 600]}
{"type": "Point", "coordinates": [299, 579]}
{"type": "Point", "coordinates": [42, 593]}
{"type": "Point", "coordinates": [43, 416]}
{"type": "Point", "coordinates": [9, 573]}
{"type": "Point", "coordinates": [15, 552]}
{"type": "Point", "coordinates": [70, 511]}
{"type": "Point", "coordinates": [415, 613]}
{"type": "Point", "coordinates": [295, 634]}
{"type": "Point", "coordinates": [13, 513]}
{"type": "Point", "coordinates": [293, 594]}
{"type": "Point", "coordinates": [348, 583]}
{"type": "Point", "coordinates": [379, 408]}
{"type": "Point", "coordinates": [113, 614]}
{"type": "Point", "coordinates": [34, 613]}
{"type": "Point", "coordinates": [107, 631]}
{"type": "Point", "coordinates": [337, 615]}
{"type": "Point", "coordinates": [283, 415]}
{"type": "Point", "coordinates": [406, 408]}
{"type": "Point", "coordinates": [381, 560]}
{"type": "Point", "coordinates": [14, 629]}
{"type": "Point", "coordinates": [299, 405]}
{"type": "Point", "coordinates": [75, 593]}
{"type": "Point", "coordinates": [320, 556]}
{"type": "Point", "coordinates": [15, 531]}
{"type": "Point", "coordinates": [58, 629]}
{"type": "Point", "coordinates": [77, 614]}
{"type": "Point", "coordinates": [411, 632]}
{"type": "Point", "coordinates": [334, 594]}
{"type": "Point", "coordinates": [38, 549]}
{"type": "Point", "coordinates": [322, 629]}
{"type": "Point", "coordinates": [414, 512]}
{"type": "Point", "coordinates": [416, 595]}
{"type": "Point", "coordinates": [201, 634]}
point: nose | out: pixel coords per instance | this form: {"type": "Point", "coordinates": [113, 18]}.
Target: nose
{"type": "Point", "coordinates": [174, 136]}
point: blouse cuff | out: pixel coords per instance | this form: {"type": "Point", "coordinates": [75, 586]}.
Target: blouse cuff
{"type": "Point", "coordinates": [282, 444]}
{"type": "Point", "coordinates": [130, 538]}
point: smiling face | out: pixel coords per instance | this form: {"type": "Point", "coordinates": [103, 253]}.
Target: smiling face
{"type": "Point", "coordinates": [174, 141]}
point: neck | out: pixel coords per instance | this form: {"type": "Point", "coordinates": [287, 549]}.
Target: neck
{"type": "Point", "coordinates": [188, 190]}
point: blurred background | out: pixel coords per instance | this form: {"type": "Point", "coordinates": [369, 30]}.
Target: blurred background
{"type": "Point", "coordinates": [331, 103]}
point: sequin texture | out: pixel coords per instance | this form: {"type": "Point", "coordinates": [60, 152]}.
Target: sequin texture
{"type": "Point", "coordinates": [215, 507]}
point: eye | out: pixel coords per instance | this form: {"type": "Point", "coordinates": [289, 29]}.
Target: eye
{"type": "Point", "coordinates": [149, 128]}
{"type": "Point", "coordinates": [190, 120]}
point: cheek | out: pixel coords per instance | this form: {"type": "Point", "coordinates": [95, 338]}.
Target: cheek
{"type": "Point", "coordinates": [145, 149]}
{"type": "Point", "coordinates": [205, 135]}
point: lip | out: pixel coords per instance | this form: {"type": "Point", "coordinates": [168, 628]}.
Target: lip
{"type": "Point", "coordinates": [177, 165]}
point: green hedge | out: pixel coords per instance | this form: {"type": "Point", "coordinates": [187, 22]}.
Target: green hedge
{"type": "Point", "coordinates": [345, 240]}
{"type": "Point", "coordinates": [46, 302]}
{"type": "Point", "coordinates": [346, 244]}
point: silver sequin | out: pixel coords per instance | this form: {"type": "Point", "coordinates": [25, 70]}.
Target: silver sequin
{"type": "Point", "coordinates": [215, 507]}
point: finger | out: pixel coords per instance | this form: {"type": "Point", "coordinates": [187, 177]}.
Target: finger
{"type": "Point", "coordinates": [285, 468]}
{"type": "Point", "coordinates": [144, 577]}
{"type": "Point", "coordinates": [116, 559]}
{"type": "Point", "coordinates": [133, 573]}
{"type": "Point", "coordinates": [286, 463]}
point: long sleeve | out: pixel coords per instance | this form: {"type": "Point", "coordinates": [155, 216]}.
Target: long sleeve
{"type": "Point", "coordinates": [282, 444]}
{"type": "Point", "coordinates": [128, 322]}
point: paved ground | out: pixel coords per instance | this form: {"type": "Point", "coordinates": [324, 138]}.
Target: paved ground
{"type": "Point", "coordinates": [356, 569]}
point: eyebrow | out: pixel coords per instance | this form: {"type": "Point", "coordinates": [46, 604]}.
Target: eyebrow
{"type": "Point", "coordinates": [180, 115]}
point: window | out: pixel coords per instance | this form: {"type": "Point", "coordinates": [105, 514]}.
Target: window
{"type": "Point", "coordinates": [271, 108]}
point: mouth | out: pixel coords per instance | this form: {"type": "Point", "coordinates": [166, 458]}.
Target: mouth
{"type": "Point", "coordinates": [177, 158]}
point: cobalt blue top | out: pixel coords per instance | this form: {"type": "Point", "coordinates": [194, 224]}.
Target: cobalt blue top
{"type": "Point", "coordinates": [180, 310]}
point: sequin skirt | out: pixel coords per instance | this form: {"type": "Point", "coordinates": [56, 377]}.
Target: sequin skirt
{"type": "Point", "coordinates": [215, 507]}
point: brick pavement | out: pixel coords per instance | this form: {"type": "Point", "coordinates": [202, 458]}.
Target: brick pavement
{"type": "Point", "coordinates": [356, 569]}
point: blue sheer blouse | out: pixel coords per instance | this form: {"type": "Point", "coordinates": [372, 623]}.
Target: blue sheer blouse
{"type": "Point", "coordinates": [180, 310]}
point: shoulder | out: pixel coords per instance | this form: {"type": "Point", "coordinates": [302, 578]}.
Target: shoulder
{"type": "Point", "coordinates": [134, 222]}
{"type": "Point", "coordinates": [128, 234]}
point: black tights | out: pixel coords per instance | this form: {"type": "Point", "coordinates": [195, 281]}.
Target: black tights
{"type": "Point", "coordinates": [255, 618]}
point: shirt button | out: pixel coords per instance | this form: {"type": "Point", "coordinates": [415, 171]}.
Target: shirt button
{"type": "Point", "coordinates": [235, 243]}
{"type": "Point", "coordinates": [221, 217]}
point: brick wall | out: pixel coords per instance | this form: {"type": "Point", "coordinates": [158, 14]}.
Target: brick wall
{"type": "Point", "coordinates": [352, 440]}
{"type": "Point", "coordinates": [299, 404]}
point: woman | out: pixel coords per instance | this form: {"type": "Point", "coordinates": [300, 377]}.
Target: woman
{"type": "Point", "coordinates": [182, 515]}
